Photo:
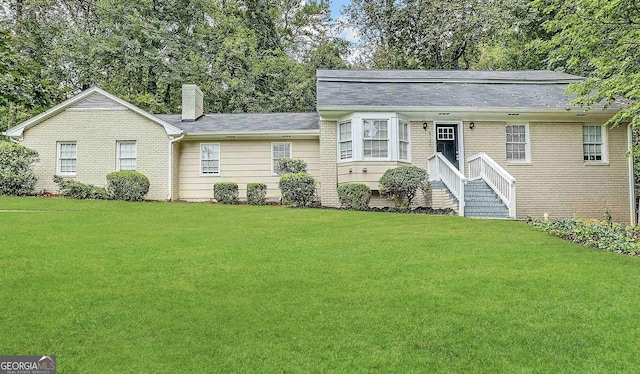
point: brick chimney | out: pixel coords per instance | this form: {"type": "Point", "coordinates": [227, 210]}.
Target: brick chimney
{"type": "Point", "coordinates": [192, 102]}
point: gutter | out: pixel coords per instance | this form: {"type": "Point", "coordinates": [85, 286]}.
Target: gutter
{"type": "Point", "coordinates": [171, 141]}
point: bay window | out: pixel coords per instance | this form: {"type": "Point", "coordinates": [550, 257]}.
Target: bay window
{"type": "Point", "coordinates": [373, 137]}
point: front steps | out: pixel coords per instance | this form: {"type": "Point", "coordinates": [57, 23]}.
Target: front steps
{"type": "Point", "coordinates": [481, 201]}
{"type": "Point", "coordinates": [441, 197]}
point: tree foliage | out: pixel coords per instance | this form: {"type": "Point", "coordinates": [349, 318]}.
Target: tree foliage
{"type": "Point", "coordinates": [414, 34]}
{"type": "Point", "coordinates": [247, 55]}
{"type": "Point", "coordinates": [401, 184]}
{"type": "Point", "coordinates": [16, 172]}
{"type": "Point", "coordinates": [598, 39]}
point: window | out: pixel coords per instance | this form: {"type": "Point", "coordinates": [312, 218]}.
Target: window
{"type": "Point", "coordinates": [279, 150]}
{"type": "Point", "coordinates": [127, 155]}
{"type": "Point", "coordinates": [209, 159]}
{"type": "Point", "coordinates": [67, 156]}
{"type": "Point", "coordinates": [403, 140]}
{"type": "Point", "coordinates": [375, 137]}
{"type": "Point", "coordinates": [516, 143]}
{"type": "Point", "coordinates": [345, 140]}
{"type": "Point", "coordinates": [446, 133]}
{"type": "Point", "coordinates": [592, 143]}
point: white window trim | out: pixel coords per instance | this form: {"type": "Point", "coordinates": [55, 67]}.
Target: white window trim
{"type": "Point", "coordinates": [408, 141]}
{"type": "Point", "coordinates": [353, 153]}
{"type": "Point", "coordinates": [605, 148]}
{"type": "Point", "coordinates": [118, 158]}
{"type": "Point", "coordinates": [58, 158]}
{"type": "Point", "coordinates": [219, 160]}
{"type": "Point", "coordinates": [273, 171]}
{"type": "Point", "coordinates": [527, 145]}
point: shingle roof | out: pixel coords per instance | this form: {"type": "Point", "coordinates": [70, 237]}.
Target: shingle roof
{"type": "Point", "coordinates": [245, 122]}
{"type": "Point", "coordinates": [437, 88]}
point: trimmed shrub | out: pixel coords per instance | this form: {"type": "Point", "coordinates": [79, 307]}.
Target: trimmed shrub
{"type": "Point", "coordinates": [401, 185]}
{"type": "Point", "coordinates": [76, 190]}
{"type": "Point", "coordinates": [226, 192]}
{"type": "Point", "coordinates": [256, 193]}
{"type": "Point", "coordinates": [290, 165]}
{"type": "Point", "coordinates": [354, 196]}
{"type": "Point", "coordinates": [606, 236]}
{"type": "Point", "coordinates": [297, 189]}
{"type": "Point", "coordinates": [127, 185]}
{"type": "Point", "coordinates": [16, 175]}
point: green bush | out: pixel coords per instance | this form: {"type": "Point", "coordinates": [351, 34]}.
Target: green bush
{"type": "Point", "coordinates": [607, 236]}
{"type": "Point", "coordinates": [297, 189]}
{"type": "Point", "coordinates": [256, 193]}
{"type": "Point", "coordinates": [76, 190]}
{"type": "Point", "coordinates": [16, 175]}
{"type": "Point", "coordinates": [401, 185]}
{"type": "Point", "coordinates": [127, 185]}
{"type": "Point", "coordinates": [226, 192]}
{"type": "Point", "coordinates": [290, 165]}
{"type": "Point", "coordinates": [354, 196]}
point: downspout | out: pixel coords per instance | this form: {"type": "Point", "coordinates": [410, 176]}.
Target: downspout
{"type": "Point", "coordinates": [14, 140]}
{"type": "Point", "coordinates": [171, 141]}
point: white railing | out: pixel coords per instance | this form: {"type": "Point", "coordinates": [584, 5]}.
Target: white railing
{"type": "Point", "coordinates": [481, 166]}
{"type": "Point", "coordinates": [441, 169]}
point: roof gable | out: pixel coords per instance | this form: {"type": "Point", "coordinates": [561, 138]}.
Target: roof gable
{"type": "Point", "coordinates": [98, 101]}
{"type": "Point", "coordinates": [93, 98]}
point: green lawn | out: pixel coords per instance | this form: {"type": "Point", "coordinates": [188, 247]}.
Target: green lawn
{"type": "Point", "coordinates": [114, 287]}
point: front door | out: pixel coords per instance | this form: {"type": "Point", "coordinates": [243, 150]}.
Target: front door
{"type": "Point", "coordinates": [447, 142]}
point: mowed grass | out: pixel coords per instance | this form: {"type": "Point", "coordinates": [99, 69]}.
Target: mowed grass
{"type": "Point", "coordinates": [115, 287]}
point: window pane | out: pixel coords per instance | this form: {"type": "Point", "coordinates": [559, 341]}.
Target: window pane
{"type": "Point", "coordinates": [279, 150]}
{"type": "Point", "coordinates": [375, 138]}
{"type": "Point", "coordinates": [127, 155]}
{"type": "Point", "coordinates": [127, 164]}
{"type": "Point", "coordinates": [592, 143]}
{"type": "Point", "coordinates": [516, 142]}
{"type": "Point", "coordinates": [375, 129]}
{"type": "Point", "coordinates": [210, 158]}
{"type": "Point", "coordinates": [346, 150]}
{"type": "Point", "coordinates": [345, 131]}
{"type": "Point", "coordinates": [67, 157]}
{"type": "Point", "coordinates": [375, 148]}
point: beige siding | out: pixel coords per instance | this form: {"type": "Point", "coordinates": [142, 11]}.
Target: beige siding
{"type": "Point", "coordinates": [242, 162]}
{"type": "Point", "coordinates": [558, 181]}
{"type": "Point", "coordinates": [96, 133]}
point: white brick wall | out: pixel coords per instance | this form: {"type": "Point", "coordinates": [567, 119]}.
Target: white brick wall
{"type": "Point", "coordinates": [96, 133]}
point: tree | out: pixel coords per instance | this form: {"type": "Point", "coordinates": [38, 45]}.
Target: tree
{"type": "Point", "coordinates": [598, 39]}
{"type": "Point", "coordinates": [247, 55]}
{"type": "Point", "coordinates": [24, 90]}
{"type": "Point", "coordinates": [414, 34]}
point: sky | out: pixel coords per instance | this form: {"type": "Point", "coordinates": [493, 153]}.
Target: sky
{"type": "Point", "coordinates": [347, 33]}
{"type": "Point", "coordinates": [336, 5]}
